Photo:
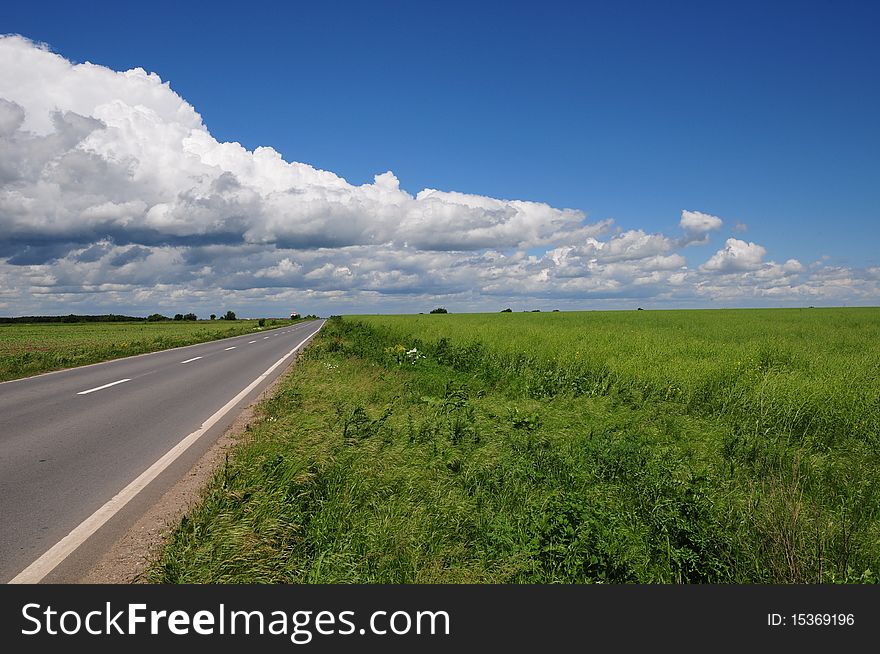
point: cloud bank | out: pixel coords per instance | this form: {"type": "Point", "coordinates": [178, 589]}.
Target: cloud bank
{"type": "Point", "coordinates": [114, 194]}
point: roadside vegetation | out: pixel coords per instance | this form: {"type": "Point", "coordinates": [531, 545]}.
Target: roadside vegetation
{"type": "Point", "coordinates": [32, 348]}
{"type": "Point", "coordinates": [649, 447]}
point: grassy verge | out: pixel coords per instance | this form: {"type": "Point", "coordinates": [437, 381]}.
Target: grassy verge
{"type": "Point", "coordinates": [30, 349]}
{"type": "Point", "coordinates": [375, 464]}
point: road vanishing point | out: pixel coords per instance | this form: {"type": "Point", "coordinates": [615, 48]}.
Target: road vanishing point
{"type": "Point", "coordinates": [85, 451]}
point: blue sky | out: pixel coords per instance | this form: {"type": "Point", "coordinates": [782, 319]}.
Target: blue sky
{"type": "Point", "coordinates": [763, 114]}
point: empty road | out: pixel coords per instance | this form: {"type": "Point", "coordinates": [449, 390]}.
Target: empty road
{"type": "Point", "coordinates": [84, 451]}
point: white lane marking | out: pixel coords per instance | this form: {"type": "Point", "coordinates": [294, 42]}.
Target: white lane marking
{"type": "Point", "coordinates": [101, 388]}
{"type": "Point", "coordinates": [229, 348]}
{"type": "Point", "coordinates": [104, 363]}
{"type": "Point", "coordinates": [249, 342]}
{"type": "Point", "coordinates": [191, 360]}
{"type": "Point", "coordinates": [265, 337]}
{"type": "Point", "coordinates": [37, 570]}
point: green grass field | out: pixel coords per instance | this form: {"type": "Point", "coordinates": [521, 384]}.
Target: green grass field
{"type": "Point", "coordinates": [655, 447]}
{"type": "Point", "coordinates": [809, 373]}
{"type": "Point", "coordinates": [30, 349]}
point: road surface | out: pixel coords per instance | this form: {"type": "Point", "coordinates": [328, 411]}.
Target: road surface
{"type": "Point", "coordinates": [84, 451]}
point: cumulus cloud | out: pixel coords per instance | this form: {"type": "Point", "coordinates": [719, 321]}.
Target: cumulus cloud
{"type": "Point", "coordinates": [697, 222]}
{"type": "Point", "coordinates": [736, 256]}
{"type": "Point", "coordinates": [113, 193]}
{"type": "Point", "coordinates": [92, 153]}
{"type": "Point", "coordinates": [11, 117]}
{"type": "Point", "coordinates": [697, 225]}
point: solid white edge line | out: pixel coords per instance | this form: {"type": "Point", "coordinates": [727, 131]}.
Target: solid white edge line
{"type": "Point", "coordinates": [191, 360]}
{"type": "Point", "coordinates": [101, 388]}
{"type": "Point", "coordinates": [37, 570]}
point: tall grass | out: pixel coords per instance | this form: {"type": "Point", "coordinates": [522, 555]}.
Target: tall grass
{"type": "Point", "coordinates": [470, 460]}
{"type": "Point", "coordinates": [812, 375]}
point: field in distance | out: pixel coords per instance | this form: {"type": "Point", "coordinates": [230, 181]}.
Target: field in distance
{"type": "Point", "coordinates": [33, 348]}
{"type": "Point", "coordinates": [809, 373]}
{"type": "Point", "coordinates": [736, 446]}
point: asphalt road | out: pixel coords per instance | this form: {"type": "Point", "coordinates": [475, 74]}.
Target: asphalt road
{"type": "Point", "coordinates": [71, 441]}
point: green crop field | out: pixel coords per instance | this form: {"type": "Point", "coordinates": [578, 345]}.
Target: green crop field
{"type": "Point", "coordinates": [809, 373]}
{"type": "Point", "coordinates": [736, 446]}
{"type": "Point", "coordinates": [30, 349]}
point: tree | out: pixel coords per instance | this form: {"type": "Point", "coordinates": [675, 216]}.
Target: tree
{"type": "Point", "coordinates": [213, 316]}
{"type": "Point", "coordinates": [178, 316]}
{"type": "Point", "coordinates": [230, 315]}
{"type": "Point", "coordinates": [157, 317]}
{"type": "Point", "coordinates": [190, 316]}
{"type": "Point", "coordinates": [261, 322]}
{"type": "Point", "coordinates": [439, 310]}
{"type": "Point", "coordinates": [507, 310]}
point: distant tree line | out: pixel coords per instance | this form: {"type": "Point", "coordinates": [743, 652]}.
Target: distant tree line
{"type": "Point", "coordinates": [110, 317]}
{"type": "Point", "coordinates": [158, 317]}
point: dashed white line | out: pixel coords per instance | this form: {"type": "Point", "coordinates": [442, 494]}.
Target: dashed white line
{"type": "Point", "coordinates": [265, 337]}
{"type": "Point", "coordinates": [191, 360]}
{"type": "Point", "coordinates": [37, 570]}
{"type": "Point", "coordinates": [100, 388]}
{"type": "Point", "coordinates": [249, 342]}
{"type": "Point", "coordinates": [229, 348]}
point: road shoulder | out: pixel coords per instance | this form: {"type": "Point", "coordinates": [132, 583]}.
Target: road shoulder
{"type": "Point", "coordinates": [129, 557]}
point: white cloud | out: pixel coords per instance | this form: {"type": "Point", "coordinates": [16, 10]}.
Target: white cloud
{"type": "Point", "coordinates": [697, 225]}
{"type": "Point", "coordinates": [284, 269]}
{"type": "Point", "coordinates": [793, 266]}
{"type": "Point", "coordinates": [153, 173]}
{"type": "Point", "coordinates": [697, 222]}
{"type": "Point", "coordinates": [635, 244]}
{"type": "Point", "coordinates": [11, 117]}
{"type": "Point", "coordinates": [114, 194]}
{"type": "Point", "coordinates": [737, 256]}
